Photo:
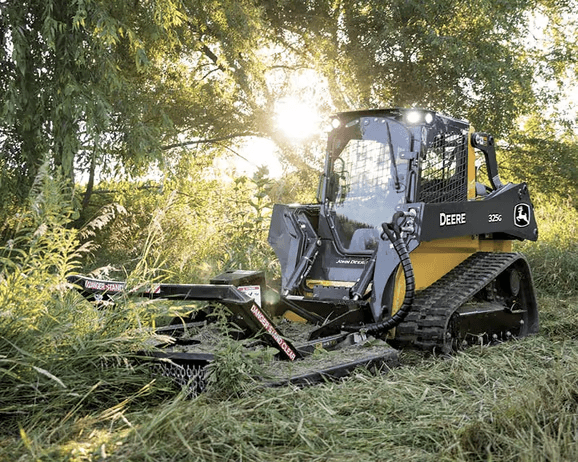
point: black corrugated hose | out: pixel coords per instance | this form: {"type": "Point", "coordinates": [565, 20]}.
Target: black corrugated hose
{"type": "Point", "coordinates": [394, 235]}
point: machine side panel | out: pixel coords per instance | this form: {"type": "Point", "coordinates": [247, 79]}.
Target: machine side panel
{"type": "Point", "coordinates": [508, 211]}
{"type": "Point", "coordinates": [432, 260]}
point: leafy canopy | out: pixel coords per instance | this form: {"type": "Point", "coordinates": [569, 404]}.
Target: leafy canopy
{"type": "Point", "coordinates": [106, 86]}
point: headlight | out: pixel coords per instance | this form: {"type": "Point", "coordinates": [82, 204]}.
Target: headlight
{"type": "Point", "coordinates": [414, 117]}
{"type": "Point", "coordinates": [417, 117]}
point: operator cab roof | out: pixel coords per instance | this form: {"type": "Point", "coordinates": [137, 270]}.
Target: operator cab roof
{"type": "Point", "coordinates": [411, 116]}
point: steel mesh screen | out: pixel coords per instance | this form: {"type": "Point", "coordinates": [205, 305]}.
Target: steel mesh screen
{"type": "Point", "coordinates": [192, 378]}
{"type": "Point", "coordinates": [365, 173]}
{"type": "Point", "coordinates": [443, 168]}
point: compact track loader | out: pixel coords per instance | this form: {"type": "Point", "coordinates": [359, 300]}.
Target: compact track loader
{"type": "Point", "coordinates": [404, 247]}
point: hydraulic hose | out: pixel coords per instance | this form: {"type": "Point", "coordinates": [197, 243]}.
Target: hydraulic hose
{"type": "Point", "coordinates": [394, 236]}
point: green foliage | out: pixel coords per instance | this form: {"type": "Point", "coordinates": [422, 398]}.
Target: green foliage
{"type": "Point", "coordinates": [247, 233]}
{"type": "Point", "coordinates": [193, 226]}
{"type": "Point", "coordinates": [119, 85]}
{"type": "Point", "coordinates": [58, 353]}
{"type": "Point", "coordinates": [107, 86]}
{"type": "Point", "coordinates": [543, 153]}
{"type": "Point", "coordinates": [40, 255]}
{"type": "Point", "coordinates": [514, 401]}
{"type": "Point", "coordinates": [554, 258]}
{"type": "Point", "coordinates": [451, 56]}
{"type": "Point", "coordinates": [235, 371]}
{"type": "Point", "coordinates": [70, 391]}
{"type": "Point", "coordinates": [114, 85]}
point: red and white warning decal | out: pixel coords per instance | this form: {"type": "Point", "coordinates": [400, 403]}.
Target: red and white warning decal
{"type": "Point", "coordinates": [104, 286]}
{"type": "Point", "coordinates": [252, 291]}
{"type": "Point", "coordinates": [154, 290]}
{"type": "Point", "coordinates": [269, 328]}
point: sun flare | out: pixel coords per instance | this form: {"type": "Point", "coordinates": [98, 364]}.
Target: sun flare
{"type": "Point", "coordinates": [297, 119]}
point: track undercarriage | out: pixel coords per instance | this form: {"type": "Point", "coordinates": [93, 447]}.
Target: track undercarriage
{"type": "Point", "coordinates": [487, 298]}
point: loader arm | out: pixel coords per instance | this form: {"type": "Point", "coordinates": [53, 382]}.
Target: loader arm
{"type": "Point", "coordinates": [485, 143]}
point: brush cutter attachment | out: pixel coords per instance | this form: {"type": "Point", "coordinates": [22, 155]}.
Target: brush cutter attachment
{"type": "Point", "coordinates": [193, 345]}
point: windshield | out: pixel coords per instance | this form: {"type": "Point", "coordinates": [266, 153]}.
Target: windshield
{"type": "Point", "coordinates": [368, 172]}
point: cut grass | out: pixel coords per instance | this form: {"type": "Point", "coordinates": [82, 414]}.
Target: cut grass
{"type": "Point", "coordinates": [515, 401]}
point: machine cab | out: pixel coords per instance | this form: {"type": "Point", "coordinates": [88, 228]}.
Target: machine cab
{"type": "Point", "coordinates": [379, 160]}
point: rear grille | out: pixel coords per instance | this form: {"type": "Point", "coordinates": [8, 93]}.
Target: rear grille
{"type": "Point", "coordinates": [443, 169]}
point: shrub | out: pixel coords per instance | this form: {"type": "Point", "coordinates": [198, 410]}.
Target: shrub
{"type": "Point", "coordinates": [554, 258]}
{"type": "Point", "coordinates": [59, 353]}
{"type": "Point", "coordinates": [192, 228]}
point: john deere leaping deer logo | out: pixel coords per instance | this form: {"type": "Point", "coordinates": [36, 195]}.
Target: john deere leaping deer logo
{"type": "Point", "coordinates": [522, 215]}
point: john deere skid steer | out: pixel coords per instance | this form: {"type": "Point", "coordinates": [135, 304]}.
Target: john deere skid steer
{"type": "Point", "coordinates": [405, 247]}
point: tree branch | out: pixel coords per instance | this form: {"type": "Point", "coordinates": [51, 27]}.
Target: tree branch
{"type": "Point", "coordinates": [212, 140]}
{"type": "Point", "coordinates": [212, 56]}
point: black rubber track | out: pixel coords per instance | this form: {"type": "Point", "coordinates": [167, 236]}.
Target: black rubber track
{"type": "Point", "coordinates": [426, 326]}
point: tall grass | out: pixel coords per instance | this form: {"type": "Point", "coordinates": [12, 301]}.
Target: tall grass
{"type": "Point", "coordinates": [554, 258]}
{"type": "Point", "coordinates": [513, 402]}
{"type": "Point", "coordinates": [203, 226]}
{"type": "Point", "coordinates": [60, 356]}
